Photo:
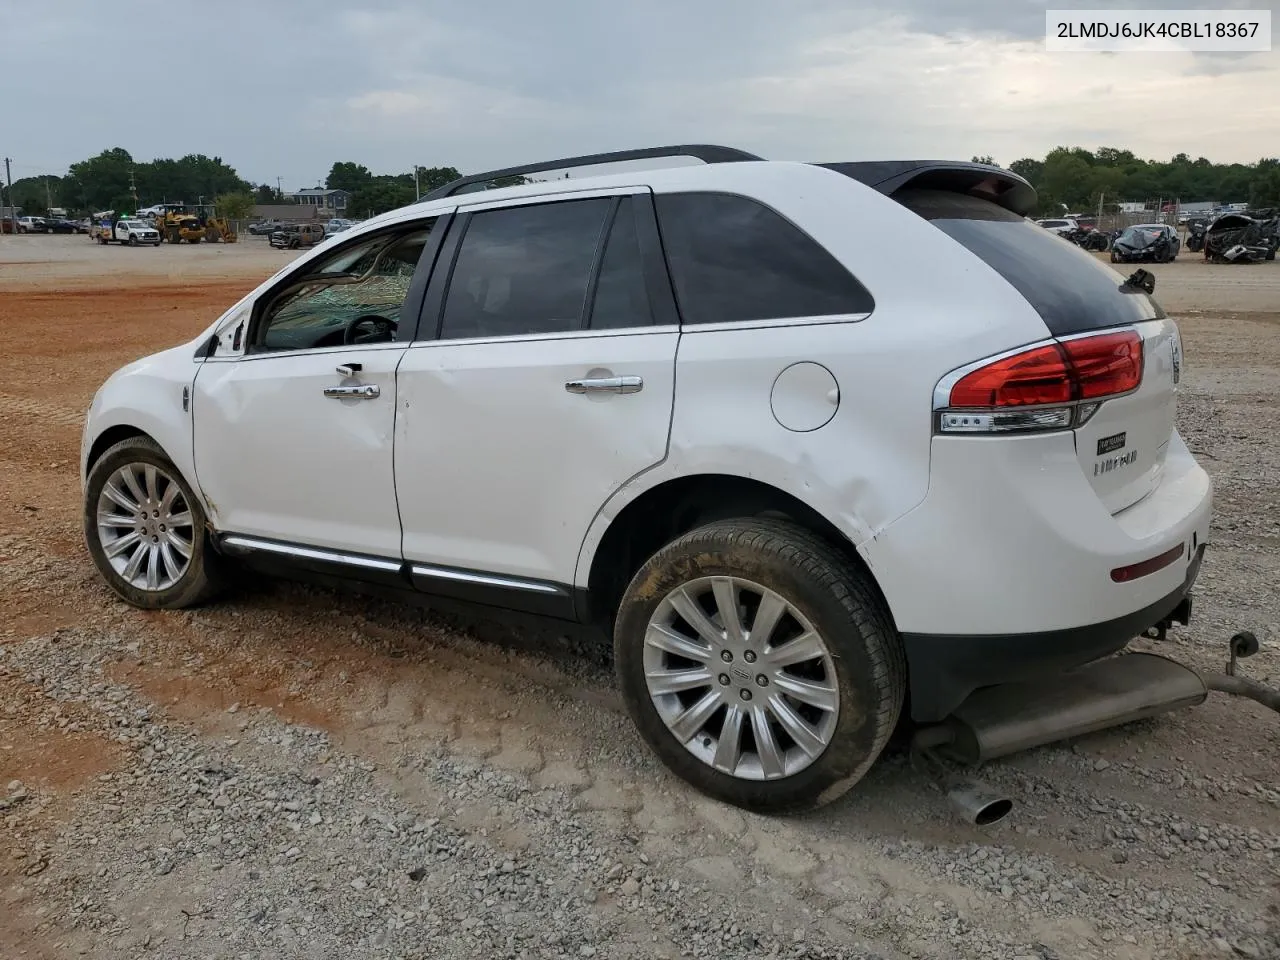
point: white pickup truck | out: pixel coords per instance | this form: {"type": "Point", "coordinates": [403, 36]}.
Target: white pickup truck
{"type": "Point", "coordinates": [132, 232]}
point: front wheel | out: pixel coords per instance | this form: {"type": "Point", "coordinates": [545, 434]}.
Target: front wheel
{"type": "Point", "coordinates": [146, 530]}
{"type": "Point", "coordinates": [759, 663]}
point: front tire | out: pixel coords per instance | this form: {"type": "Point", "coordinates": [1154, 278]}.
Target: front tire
{"type": "Point", "coordinates": [146, 530]}
{"type": "Point", "coordinates": [760, 664]}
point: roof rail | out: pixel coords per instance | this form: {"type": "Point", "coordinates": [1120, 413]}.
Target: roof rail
{"type": "Point", "coordinates": [706, 152]}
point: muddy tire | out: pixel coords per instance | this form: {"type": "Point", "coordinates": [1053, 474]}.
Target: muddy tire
{"type": "Point", "coordinates": [146, 530]}
{"type": "Point", "coordinates": [759, 713]}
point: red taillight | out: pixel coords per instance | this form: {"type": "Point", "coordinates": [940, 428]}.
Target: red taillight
{"type": "Point", "coordinates": [1037, 376]}
{"type": "Point", "coordinates": [1087, 368]}
{"type": "Point", "coordinates": [1049, 387]}
{"type": "Point", "coordinates": [1107, 364]}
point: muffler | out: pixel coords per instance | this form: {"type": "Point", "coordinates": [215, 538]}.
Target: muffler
{"type": "Point", "coordinates": [1012, 717]}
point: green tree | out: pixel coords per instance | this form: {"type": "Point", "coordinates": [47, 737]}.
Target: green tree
{"type": "Point", "coordinates": [105, 179]}
{"type": "Point", "coordinates": [265, 193]}
{"type": "Point", "coordinates": [236, 206]}
{"type": "Point", "coordinates": [33, 194]}
{"type": "Point", "coordinates": [988, 160]}
{"type": "Point", "coordinates": [380, 195]}
{"type": "Point", "coordinates": [432, 178]}
{"type": "Point", "coordinates": [348, 176]}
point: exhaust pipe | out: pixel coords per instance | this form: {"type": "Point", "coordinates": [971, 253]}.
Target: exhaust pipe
{"type": "Point", "coordinates": [977, 803]}
{"type": "Point", "coordinates": [972, 800]}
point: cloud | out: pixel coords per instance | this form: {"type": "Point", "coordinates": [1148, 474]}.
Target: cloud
{"type": "Point", "coordinates": [298, 84]}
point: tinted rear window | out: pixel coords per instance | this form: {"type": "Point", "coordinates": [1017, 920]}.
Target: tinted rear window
{"type": "Point", "coordinates": [734, 259]}
{"type": "Point", "coordinates": [1071, 290]}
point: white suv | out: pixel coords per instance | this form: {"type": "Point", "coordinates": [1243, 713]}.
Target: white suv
{"type": "Point", "coordinates": [811, 442]}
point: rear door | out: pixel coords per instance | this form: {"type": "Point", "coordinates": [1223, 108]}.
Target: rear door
{"type": "Point", "coordinates": [542, 384]}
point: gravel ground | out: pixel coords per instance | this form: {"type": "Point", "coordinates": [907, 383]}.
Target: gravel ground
{"type": "Point", "coordinates": [290, 773]}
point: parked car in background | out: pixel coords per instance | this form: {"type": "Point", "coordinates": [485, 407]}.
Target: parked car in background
{"type": "Point", "coordinates": [1146, 243]}
{"type": "Point", "coordinates": [1060, 225]}
{"type": "Point", "coordinates": [295, 236]}
{"type": "Point", "coordinates": [337, 225]}
{"type": "Point", "coordinates": [265, 227]}
{"type": "Point", "coordinates": [31, 225]}
{"type": "Point", "coordinates": [62, 225]}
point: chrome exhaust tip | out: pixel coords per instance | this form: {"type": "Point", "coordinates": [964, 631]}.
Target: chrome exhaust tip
{"type": "Point", "coordinates": [977, 803]}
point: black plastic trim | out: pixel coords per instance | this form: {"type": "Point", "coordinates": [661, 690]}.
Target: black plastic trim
{"type": "Point", "coordinates": [411, 309]}
{"type": "Point", "coordinates": [662, 294]}
{"type": "Point", "coordinates": [275, 556]}
{"type": "Point", "coordinates": [502, 592]}
{"type": "Point", "coordinates": [945, 669]}
{"type": "Point", "coordinates": [432, 314]}
{"type": "Point", "coordinates": [597, 263]}
{"type": "Point", "coordinates": [1010, 191]}
{"type": "Point", "coordinates": [706, 152]}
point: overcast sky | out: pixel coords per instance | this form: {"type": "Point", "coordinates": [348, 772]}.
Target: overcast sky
{"type": "Point", "coordinates": [283, 88]}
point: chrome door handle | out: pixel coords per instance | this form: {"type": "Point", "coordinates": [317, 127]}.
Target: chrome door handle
{"type": "Point", "coordinates": [606, 385]}
{"type": "Point", "coordinates": [365, 391]}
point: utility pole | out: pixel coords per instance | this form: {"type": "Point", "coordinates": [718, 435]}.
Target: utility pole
{"type": "Point", "coordinates": [133, 190]}
{"type": "Point", "coordinates": [13, 211]}
{"type": "Point", "coordinates": [48, 195]}
{"type": "Point", "coordinates": [417, 194]}
{"type": "Point", "coordinates": [279, 190]}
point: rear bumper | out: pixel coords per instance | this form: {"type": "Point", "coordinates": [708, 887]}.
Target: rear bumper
{"type": "Point", "coordinates": [944, 670]}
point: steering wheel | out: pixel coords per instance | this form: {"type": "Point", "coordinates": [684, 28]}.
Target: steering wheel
{"type": "Point", "coordinates": [369, 328]}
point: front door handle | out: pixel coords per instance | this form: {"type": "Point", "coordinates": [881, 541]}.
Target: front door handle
{"type": "Point", "coordinates": [606, 385]}
{"type": "Point", "coordinates": [366, 391]}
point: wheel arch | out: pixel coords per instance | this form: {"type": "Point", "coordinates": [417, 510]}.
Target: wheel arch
{"type": "Point", "coordinates": [676, 506]}
{"type": "Point", "coordinates": [108, 438]}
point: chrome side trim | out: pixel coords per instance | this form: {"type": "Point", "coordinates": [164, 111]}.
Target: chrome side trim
{"type": "Point", "coordinates": [695, 328]}
{"type": "Point", "coordinates": [237, 542]}
{"type": "Point", "coordinates": [483, 579]}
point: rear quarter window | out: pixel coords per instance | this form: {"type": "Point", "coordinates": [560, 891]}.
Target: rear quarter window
{"type": "Point", "coordinates": [734, 259]}
{"type": "Point", "coordinates": [1071, 290]}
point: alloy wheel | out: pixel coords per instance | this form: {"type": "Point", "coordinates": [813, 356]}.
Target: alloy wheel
{"type": "Point", "coordinates": [145, 526]}
{"type": "Point", "coordinates": [741, 678]}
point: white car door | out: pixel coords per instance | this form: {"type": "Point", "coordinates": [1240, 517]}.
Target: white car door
{"type": "Point", "coordinates": [548, 386]}
{"type": "Point", "coordinates": [293, 415]}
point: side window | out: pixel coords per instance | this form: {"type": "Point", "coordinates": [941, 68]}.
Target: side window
{"type": "Point", "coordinates": [353, 296]}
{"type": "Point", "coordinates": [734, 259]}
{"type": "Point", "coordinates": [524, 270]}
{"type": "Point", "coordinates": [621, 299]}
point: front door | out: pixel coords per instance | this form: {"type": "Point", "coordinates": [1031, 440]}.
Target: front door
{"type": "Point", "coordinates": [293, 430]}
{"type": "Point", "coordinates": [548, 387]}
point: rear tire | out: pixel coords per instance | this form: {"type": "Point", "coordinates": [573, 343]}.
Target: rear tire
{"type": "Point", "coordinates": [113, 519]}
{"type": "Point", "coordinates": [847, 685]}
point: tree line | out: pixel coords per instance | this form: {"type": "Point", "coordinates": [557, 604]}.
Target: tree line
{"type": "Point", "coordinates": [1068, 177]}
{"type": "Point", "coordinates": [1076, 179]}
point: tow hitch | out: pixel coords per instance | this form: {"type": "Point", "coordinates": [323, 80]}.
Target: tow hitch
{"type": "Point", "coordinates": [1008, 718]}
